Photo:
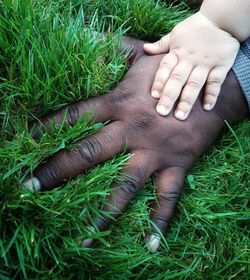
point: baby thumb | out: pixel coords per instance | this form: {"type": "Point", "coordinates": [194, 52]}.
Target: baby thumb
{"type": "Point", "coordinates": [161, 46]}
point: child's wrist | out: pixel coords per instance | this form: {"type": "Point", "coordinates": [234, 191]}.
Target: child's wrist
{"type": "Point", "coordinates": [228, 16]}
{"type": "Point", "coordinates": [206, 21]}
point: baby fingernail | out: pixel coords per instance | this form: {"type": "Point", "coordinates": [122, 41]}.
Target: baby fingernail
{"type": "Point", "coordinates": [180, 115]}
{"type": "Point", "coordinates": [33, 184]}
{"type": "Point", "coordinates": [155, 94]}
{"type": "Point", "coordinates": [162, 110]}
{"type": "Point", "coordinates": [153, 242]}
{"type": "Point", "coordinates": [207, 107]}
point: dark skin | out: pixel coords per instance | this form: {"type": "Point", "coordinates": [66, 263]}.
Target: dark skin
{"type": "Point", "coordinates": [195, 4]}
{"type": "Point", "coordinates": [163, 147]}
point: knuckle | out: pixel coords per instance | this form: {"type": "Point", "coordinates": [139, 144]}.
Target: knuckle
{"type": "Point", "coordinates": [212, 94]}
{"type": "Point", "coordinates": [179, 52]}
{"type": "Point", "coordinates": [186, 102]}
{"type": "Point", "coordinates": [129, 186]}
{"type": "Point", "coordinates": [169, 197]}
{"type": "Point", "coordinates": [214, 81]}
{"type": "Point", "coordinates": [176, 77]}
{"type": "Point", "coordinates": [193, 84]}
{"type": "Point", "coordinates": [165, 63]}
{"type": "Point", "coordinates": [142, 123]}
{"type": "Point", "coordinates": [103, 222]}
{"type": "Point", "coordinates": [168, 61]}
{"type": "Point", "coordinates": [120, 95]}
{"type": "Point", "coordinates": [48, 174]}
{"type": "Point", "coordinates": [161, 222]}
{"type": "Point", "coordinates": [72, 114]}
{"type": "Point", "coordinates": [168, 98]}
{"type": "Point", "coordinates": [140, 172]}
{"type": "Point", "coordinates": [161, 77]}
{"type": "Point", "coordinates": [89, 149]}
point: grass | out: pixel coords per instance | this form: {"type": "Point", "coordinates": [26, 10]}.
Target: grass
{"type": "Point", "coordinates": [50, 55]}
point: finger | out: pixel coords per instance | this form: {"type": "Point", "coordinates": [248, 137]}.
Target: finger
{"type": "Point", "coordinates": [168, 184]}
{"type": "Point", "coordinates": [167, 64]}
{"type": "Point", "coordinates": [138, 169]}
{"type": "Point", "coordinates": [90, 151]}
{"type": "Point", "coordinates": [129, 42]}
{"type": "Point", "coordinates": [173, 87]}
{"type": "Point", "coordinates": [97, 106]}
{"type": "Point", "coordinates": [158, 47]}
{"type": "Point", "coordinates": [190, 92]}
{"type": "Point", "coordinates": [213, 85]}
{"type": "Point", "coordinates": [132, 49]}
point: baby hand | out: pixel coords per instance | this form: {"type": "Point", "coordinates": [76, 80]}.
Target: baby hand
{"type": "Point", "coordinates": [198, 53]}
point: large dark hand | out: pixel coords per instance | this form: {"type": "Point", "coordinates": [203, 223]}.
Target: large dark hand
{"type": "Point", "coordinates": [162, 146]}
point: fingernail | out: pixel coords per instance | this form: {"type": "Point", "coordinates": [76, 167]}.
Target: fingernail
{"type": "Point", "coordinates": [88, 242]}
{"type": "Point", "coordinates": [180, 115]}
{"type": "Point", "coordinates": [162, 110]}
{"type": "Point", "coordinates": [155, 94]}
{"type": "Point", "coordinates": [207, 107]}
{"type": "Point", "coordinates": [153, 242]}
{"type": "Point", "coordinates": [33, 184]}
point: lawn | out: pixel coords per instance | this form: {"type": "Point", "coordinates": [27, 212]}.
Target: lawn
{"type": "Point", "coordinates": [50, 56]}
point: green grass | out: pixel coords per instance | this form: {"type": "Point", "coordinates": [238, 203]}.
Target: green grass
{"type": "Point", "coordinates": [50, 56]}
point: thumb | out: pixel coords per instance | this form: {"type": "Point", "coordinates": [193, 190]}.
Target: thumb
{"type": "Point", "coordinates": [161, 46]}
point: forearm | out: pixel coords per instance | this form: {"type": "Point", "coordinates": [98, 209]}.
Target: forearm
{"type": "Point", "coordinates": [230, 15]}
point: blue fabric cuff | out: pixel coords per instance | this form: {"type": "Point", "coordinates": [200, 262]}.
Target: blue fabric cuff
{"type": "Point", "coordinates": [241, 69]}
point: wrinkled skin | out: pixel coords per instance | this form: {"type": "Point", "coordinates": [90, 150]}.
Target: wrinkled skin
{"type": "Point", "coordinates": [162, 146]}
